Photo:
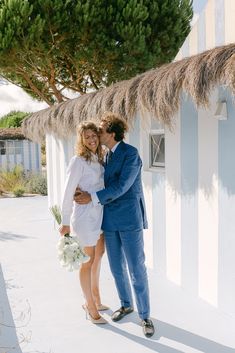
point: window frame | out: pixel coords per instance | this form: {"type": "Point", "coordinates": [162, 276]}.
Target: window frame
{"type": "Point", "coordinates": [156, 165]}
{"type": "Point", "coordinates": [2, 148]}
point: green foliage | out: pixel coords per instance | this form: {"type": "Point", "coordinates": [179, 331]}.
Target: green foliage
{"type": "Point", "coordinates": [18, 182]}
{"type": "Point", "coordinates": [56, 212]}
{"type": "Point", "coordinates": [9, 180]}
{"type": "Point", "coordinates": [12, 119]}
{"type": "Point", "coordinates": [49, 45]}
{"type": "Point", "coordinates": [18, 191]}
{"type": "Point", "coordinates": [37, 184]}
{"type": "Point", "coordinates": [43, 154]}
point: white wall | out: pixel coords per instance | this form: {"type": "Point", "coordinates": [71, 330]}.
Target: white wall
{"type": "Point", "coordinates": [58, 154]}
{"type": "Point", "coordinates": [29, 156]}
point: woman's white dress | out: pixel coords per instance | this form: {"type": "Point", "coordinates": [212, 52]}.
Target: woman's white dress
{"type": "Point", "coordinates": [84, 220]}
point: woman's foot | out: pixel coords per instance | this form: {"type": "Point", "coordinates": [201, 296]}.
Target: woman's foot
{"type": "Point", "coordinates": [94, 317]}
{"type": "Point", "coordinates": [102, 307]}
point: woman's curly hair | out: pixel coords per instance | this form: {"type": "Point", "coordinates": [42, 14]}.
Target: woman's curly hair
{"type": "Point", "coordinates": [81, 149]}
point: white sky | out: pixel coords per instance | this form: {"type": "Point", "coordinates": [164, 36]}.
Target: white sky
{"type": "Point", "coordinates": [14, 98]}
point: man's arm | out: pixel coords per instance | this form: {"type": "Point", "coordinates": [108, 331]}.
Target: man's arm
{"type": "Point", "coordinates": [130, 170]}
{"type": "Point", "coordinates": [119, 187]}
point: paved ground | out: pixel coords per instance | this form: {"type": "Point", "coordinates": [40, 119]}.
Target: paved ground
{"type": "Point", "coordinates": [40, 303]}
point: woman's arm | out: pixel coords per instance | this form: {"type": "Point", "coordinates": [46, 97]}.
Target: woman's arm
{"type": "Point", "coordinates": [74, 173]}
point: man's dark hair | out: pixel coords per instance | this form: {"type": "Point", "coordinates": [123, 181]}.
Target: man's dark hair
{"type": "Point", "coordinates": [115, 124]}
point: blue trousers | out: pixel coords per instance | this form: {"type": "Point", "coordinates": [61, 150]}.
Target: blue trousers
{"type": "Point", "coordinates": [127, 249]}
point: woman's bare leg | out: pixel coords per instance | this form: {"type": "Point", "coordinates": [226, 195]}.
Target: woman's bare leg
{"type": "Point", "coordinates": [85, 281]}
{"type": "Point", "coordinates": [95, 270]}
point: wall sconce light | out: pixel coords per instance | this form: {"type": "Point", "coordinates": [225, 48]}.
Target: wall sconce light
{"type": "Point", "coordinates": [221, 111]}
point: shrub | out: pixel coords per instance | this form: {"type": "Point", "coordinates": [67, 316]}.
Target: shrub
{"type": "Point", "coordinates": [18, 191]}
{"type": "Point", "coordinates": [43, 154]}
{"type": "Point", "coordinates": [18, 182]}
{"type": "Point", "coordinates": [37, 184]}
{"type": "Point", "coordinates": [43, 160]}
{"type": "Point", "coordinates": [11, 179]}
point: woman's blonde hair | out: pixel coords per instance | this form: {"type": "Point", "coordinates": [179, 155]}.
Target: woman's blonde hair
{"type": "Point", "coordinates": [81, 149]}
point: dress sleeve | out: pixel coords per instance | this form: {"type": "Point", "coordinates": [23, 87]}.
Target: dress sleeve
{"type": "Point", "coordinates": [74, 173]}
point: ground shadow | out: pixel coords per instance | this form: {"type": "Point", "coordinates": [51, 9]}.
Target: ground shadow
{"type": "Point", "coordinates": [7, 236]}
{"type": "Point", "coordinates": [8, 338]}
{"type": "Point", "coordinates": [172, 333]}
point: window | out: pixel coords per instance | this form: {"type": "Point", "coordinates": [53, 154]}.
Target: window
{"type": "Point", "coordinates": [157, 149]}
{"type": "Point", "coordinates": [2, 147]}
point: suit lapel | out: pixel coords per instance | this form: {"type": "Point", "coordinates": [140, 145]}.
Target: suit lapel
{"type": "Point", "coordinates": [110, 166]}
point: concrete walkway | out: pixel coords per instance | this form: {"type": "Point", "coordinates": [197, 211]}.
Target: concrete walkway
{"type": "Point", "coordinates": [40, 303]}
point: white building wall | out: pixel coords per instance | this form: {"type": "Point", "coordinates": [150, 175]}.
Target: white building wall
{"type": "Point", "coordinates": [190, 229]}
{"type": "Point", "coordinates": [29, 156]}
{"type": "Point", "coordinates": [58, 154]}
{"type": "Point", "coordinates": [215, 27]}
{"type": "Point", "coordinates": [208, 203]}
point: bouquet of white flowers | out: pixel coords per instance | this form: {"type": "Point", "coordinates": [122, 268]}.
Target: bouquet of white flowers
{"type": "Point", "coordinates": [70, 253]}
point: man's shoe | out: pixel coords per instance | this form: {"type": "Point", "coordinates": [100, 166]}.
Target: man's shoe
{"type": "Point", "coordinates": [120, 313]}
{"type": "Point", "coordinates": [148, 327]}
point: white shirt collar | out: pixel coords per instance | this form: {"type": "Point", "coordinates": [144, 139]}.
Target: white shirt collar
{"type": "Point", "coordinates": [115, 146]}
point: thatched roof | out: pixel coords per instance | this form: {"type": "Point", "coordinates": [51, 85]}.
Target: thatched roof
{"type": "Point", "coordinates": [13, 133]}
{"type": "Point", "coordinates": [157, 91]}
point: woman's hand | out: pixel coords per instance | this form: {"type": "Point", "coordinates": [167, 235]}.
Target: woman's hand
{"type": "Point", "coordinates": [64, 230]}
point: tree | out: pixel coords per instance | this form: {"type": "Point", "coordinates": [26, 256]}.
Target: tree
{"type": "Point", "coordinates": [12, 119]}
{"type": "Point", "coordinates": [48, 46]}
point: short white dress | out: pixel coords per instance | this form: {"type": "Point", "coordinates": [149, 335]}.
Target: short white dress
{"type": "Point", "coordinates": [84, 220]}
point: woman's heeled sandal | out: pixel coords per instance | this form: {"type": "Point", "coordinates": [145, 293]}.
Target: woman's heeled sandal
{"type": "Point", "coordinates": [101, 307]}
{"type": "Point", "coordinates": [100, 320]}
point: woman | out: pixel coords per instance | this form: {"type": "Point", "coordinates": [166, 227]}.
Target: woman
{"type": "Point", "coordinates": [85, 171]}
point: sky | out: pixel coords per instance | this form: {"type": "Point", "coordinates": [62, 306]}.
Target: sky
{"type": "Point", "coordinates": [198, 5]}
{"type": "Point", "coordinates": [14, 98]}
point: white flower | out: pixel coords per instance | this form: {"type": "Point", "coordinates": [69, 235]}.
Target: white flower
{"type": "Point", "coordinates": [70, 254]}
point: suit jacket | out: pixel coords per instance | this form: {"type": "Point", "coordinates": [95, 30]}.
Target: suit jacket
{"type": "Point", "coordinates": [123, 198]}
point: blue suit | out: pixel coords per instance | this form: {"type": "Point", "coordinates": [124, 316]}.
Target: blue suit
{"type": "Point", "coordinates": [123, 223]}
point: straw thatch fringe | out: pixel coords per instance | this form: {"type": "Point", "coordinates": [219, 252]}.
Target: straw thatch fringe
{"type": "Point", "coordinates": [12, 133]}
{"type": "Point", "coordinates": [157, 91]}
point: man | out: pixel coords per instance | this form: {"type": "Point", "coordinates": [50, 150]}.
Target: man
{"type": "Point", "coordinates": [124, 219]}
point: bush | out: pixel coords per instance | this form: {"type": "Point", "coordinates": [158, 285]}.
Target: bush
{"type": "Point", "coordinates": [43, 154]}
{"type": "Point", "coordinates": [18, 191]}
{"type": "Point", "coordinates": [37, 184]}
{"type": "Point", "coordinates": [17, 182]}
{"type": "Point", "coordinates": [43, 160]}
{"type": "Point", "coordinates": [12, 179]}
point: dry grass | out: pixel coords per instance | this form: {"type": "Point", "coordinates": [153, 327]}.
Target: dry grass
{"type": "Point", "coordinates": [157, 91]}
